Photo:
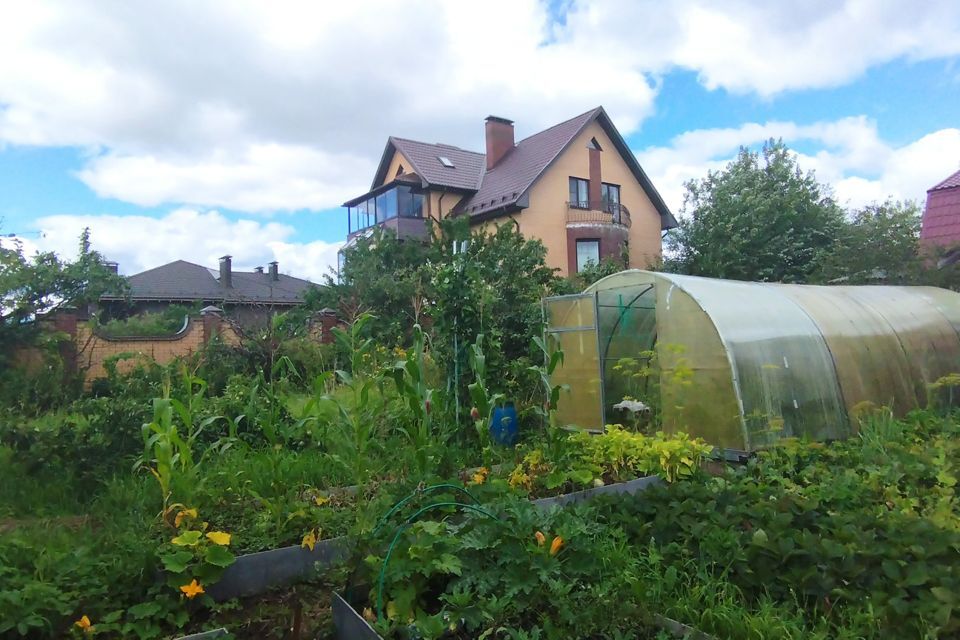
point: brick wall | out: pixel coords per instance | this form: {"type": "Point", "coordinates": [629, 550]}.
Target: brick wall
{"type": "Point", "coordinates": [93, 350]}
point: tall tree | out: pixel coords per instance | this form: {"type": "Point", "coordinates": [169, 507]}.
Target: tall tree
{"type": "Point", "coordinates": [879, 244]}
{"type": "Point", "coordinates": [30, 286]}
{"type": "Point", "coordinates": [760, 218]}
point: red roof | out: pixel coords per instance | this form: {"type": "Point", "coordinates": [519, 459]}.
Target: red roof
{"type": "Point", "coordinates": [949, 183]}
{"type": "Point", "coordinates": [941, 218]}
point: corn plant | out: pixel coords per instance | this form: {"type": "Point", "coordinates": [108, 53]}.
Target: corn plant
{"type": "Point", "coordinates": [483, 401]}
{"type": "Point", "coordinates": [351, 439]}
{"type": "Point", "coordinates": [409, 376]}
{"type": "Point", "coordinates": [169, 438]}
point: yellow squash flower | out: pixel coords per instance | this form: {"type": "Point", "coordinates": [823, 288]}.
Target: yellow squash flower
{"type": "Point", "coordinates": [480, 476]}
{"type": "Point", "coordinates": [556, 545]}
{"type": "Point", "coordinates": [219, 537]}
{"type": "Point", "coordinates": [193, 589]}
{"type": "Point", "coordinates": [184, 513]}
{"type": "Point", "coordinates": [541, 539]}
{"type": "Point", "coordinates": [310, 540]}
{"type": "Point", "coordinates": [84, 623]}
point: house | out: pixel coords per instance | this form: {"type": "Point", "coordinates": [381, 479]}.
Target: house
{"type": "Point", "coordinates": [249, 297]}
{"type": "Point", "coordinates": [576, 187]}
{"type": "Point", "coordinates": [940, 229]}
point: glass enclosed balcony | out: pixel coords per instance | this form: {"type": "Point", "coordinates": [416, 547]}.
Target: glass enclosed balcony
{"type": "Point", "coordinates": [392, 202]}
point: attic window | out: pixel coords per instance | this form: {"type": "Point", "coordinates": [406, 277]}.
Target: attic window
{"type": "Point", "coordinates": [445, 161]}
{"type": "Point", "coordinates": [399, 171]}
{"type": "Point", "coordinates": [594, 145]}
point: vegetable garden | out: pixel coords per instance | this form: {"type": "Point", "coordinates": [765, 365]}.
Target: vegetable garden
{"type": "Point", "coordinates": [284, 489]}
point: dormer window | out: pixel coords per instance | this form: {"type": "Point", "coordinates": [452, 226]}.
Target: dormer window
{"type": "Point", "coordinates": [445, 161]}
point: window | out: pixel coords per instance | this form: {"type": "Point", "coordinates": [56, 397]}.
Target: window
{"type": "Point", "coordinates": [579, 193]}
{"type": "Point", "coordinates": [445, 161]}
{"type": "Point", "coordinates": [610, 193]}
{"type": "Point", "coordinates": [588, 252]}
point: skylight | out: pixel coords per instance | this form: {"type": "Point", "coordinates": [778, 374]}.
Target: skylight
{"type": "Point", "coordinates": [445, 161]}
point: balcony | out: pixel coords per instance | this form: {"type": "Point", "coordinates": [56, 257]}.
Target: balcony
{"type": "Point", "coordinates": [597, 213]}
{"type": "Point", "coordinates": [397, 206]}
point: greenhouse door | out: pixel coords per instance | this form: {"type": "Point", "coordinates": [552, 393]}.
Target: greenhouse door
{"type": "Point", "coordinates": [571, 325]}
{"type": "Point", "coordinates": [628, 337]}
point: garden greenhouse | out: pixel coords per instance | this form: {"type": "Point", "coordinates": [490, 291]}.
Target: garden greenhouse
{"type": "Point", "coordinates": [743, 364]}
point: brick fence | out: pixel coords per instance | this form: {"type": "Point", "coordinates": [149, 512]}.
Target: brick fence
{"type": "Point", "coordinates": [87, 351]}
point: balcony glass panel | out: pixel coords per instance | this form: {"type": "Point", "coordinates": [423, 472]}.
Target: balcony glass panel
{"type": "Point", "coordinates": [400, 201]}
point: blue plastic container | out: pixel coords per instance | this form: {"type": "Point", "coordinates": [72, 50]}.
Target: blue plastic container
{"type": "Point", "coordinates": [503, 425]}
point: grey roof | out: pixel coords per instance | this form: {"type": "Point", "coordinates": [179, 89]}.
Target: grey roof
{"type": "Point", "coordinates": [186, 281]}
{"type": "Point", "coordinates": [507, 185]}
{"type": "Point", "coordinates": [466, 173]}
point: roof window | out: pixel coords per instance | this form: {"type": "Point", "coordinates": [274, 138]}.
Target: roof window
{"type": "Point", "coordinates": [445, 161]}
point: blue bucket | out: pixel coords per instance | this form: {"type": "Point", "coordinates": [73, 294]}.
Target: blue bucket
{"type": "Point", "coordinates": [503, 425]}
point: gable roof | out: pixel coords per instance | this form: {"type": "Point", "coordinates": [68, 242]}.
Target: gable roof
{"type": "Point", "coordinates": [951, 181]}
{"type": "Point", "coordinates": [185, 281]}
{"type": "Point", "coordinates": [466, 173]}
{"type": "Point", "coordinates": [507, 185]}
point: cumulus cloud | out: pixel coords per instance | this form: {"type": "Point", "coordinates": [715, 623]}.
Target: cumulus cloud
{"type": "Point", "coordinates": [264, 178]}
{"type": "Point", "coordinates": [861, 167]}
{"type": "Point", "coordinates": [283, 105]}
{"type": "Point", "coordinates": [140, 242]}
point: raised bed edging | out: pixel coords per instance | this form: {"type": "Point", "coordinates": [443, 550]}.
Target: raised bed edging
{"type": "Point", "coordinates": [350, 625]}
{"type": "Point", "coordinates": [254, 573]}
{"type": "Point", "coordinates": [206, 635]}
{"type": "Point", "coordinates": [629, 487]}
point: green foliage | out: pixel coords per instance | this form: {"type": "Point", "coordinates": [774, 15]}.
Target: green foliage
{"type": "Point", "coordinates": [835, 527]}
{"type": "Point", "coordinates": [151, 324]}
{"type": "Point", "coordinates": [880, 244]}
{"type": "Point", "coordinates": [582, 460]}
{"type": "Point", "coordinates": [44, 283]}
{"type": "Point", "coordinates": [758, 219]}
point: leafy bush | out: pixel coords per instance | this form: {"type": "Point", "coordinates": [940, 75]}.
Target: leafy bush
{"type": "Point", "coordinates": [835, 527]}
{"type": "Point", "coordinates": [147, 325]}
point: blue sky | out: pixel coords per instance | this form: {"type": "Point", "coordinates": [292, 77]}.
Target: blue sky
{"type": "Point", "coordinates": [244, 137]}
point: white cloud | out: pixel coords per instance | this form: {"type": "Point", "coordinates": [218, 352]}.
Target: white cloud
{"type": "Point", "coordinates": [861, 167]}
{"type": "Point", "coordinates": [264, 178]}
{"type": "Point", "coordinates": [140, 242]}
{"type": "Point", "coordinates": [284, 105]}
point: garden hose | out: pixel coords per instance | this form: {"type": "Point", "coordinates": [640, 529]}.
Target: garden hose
{"type": "Point", "coordinates": [419, 492]}
{"type": "Point", "coordinates": [402, 528]}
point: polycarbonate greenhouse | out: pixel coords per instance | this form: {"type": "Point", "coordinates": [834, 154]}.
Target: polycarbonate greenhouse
{"type": "Point", "coordinates": [742, 364]}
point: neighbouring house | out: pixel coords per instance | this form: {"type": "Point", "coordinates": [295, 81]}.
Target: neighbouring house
{"type": "Point", "coordinates": [576, 187]}
{"type": "Point", "coordinates": [940, 229]}
{"type": "Point", "coordinates": [248, 297]}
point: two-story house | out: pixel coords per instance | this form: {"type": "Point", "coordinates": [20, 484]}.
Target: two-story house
{"type": "Point", "coordinates": [576, 187]}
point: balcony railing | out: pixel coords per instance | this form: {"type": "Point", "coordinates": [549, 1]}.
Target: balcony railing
{"type": "Point", "coordinates": [584, 212]}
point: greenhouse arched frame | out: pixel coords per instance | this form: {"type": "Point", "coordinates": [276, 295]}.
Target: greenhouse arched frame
{"type": "Point", "coordinates": [744, 364]}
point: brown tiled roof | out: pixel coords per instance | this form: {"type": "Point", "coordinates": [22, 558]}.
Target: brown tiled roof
{"type": "Point", "coordinates": [505, 187]}
{"type": "Point", "coordinates": [949, 183]}
{"type": "Point", "coordinates": [466, 173]}
{"type": "Point", "coordinates": [186, 281]}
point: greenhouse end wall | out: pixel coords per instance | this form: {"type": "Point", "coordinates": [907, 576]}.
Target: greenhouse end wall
{"type": "Point", "coordinates": [744, 364]}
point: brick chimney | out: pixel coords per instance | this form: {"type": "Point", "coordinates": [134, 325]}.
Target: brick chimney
{"type": "Point", "coordinates": [226, 272]}
{"type": "Point", "coordinates": [274, 271]}
{"type": "Point", "coordinates": [499, 139]}
{"type": "Point", "coordinates": [112, 267]}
